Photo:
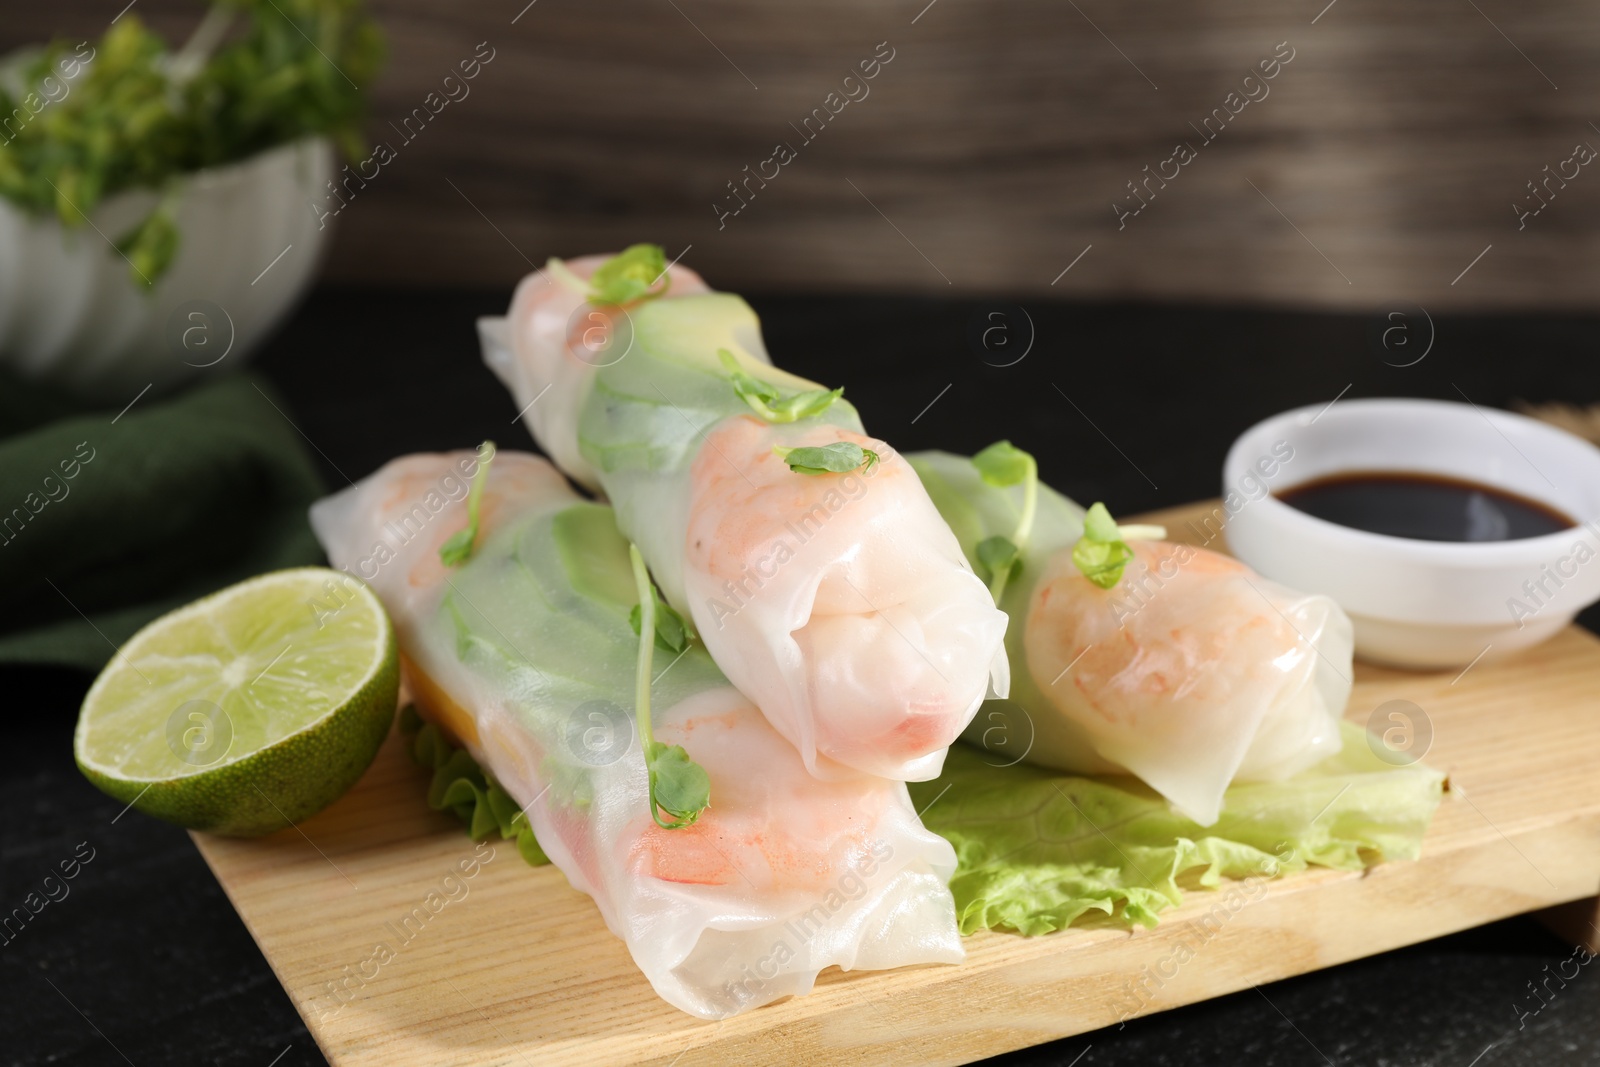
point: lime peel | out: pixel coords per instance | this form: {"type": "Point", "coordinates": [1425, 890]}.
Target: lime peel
{"type": "Point", "coordinates": [249, 709]}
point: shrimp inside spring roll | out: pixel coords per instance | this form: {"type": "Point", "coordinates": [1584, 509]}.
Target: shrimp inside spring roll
{"type": "Point", "coordinates": [838, 600]}
{"type": "Point", "coordinates": [1191, 672]}
{"type": "Point", "coordinates": [526, 655]}
{"type": "Point", "coordinates": [550, 343]}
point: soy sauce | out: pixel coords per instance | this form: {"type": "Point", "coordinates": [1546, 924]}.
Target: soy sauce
{"type": "Point", "coordinates": [1424, 507]}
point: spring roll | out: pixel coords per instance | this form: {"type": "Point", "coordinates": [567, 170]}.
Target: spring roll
{"type": "Point", "coordinates": [1190, 671]}
{"type": "Point", "coordinates": [525, 654]}
{"type": "Point", "coordinates": [834, 596]}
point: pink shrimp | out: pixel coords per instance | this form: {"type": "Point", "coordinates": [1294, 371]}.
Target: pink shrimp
{"type": "Point", "coordinates": [779, 830]}
{"type": "Point", "coordinates": [1189, 672]}
{"type": "Point", "coordinates": [868, 641]}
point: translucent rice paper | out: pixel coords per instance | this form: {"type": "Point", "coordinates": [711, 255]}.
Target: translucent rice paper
{"type": "Point", "coordinates": [1191, 673]}
{"type": "Point", "coordinates": [1194, 671]}
{"type": "Point", "coordinates": [844, 600]}
{"type": "Point", "coordinates": [841, 604]}
{"type": "Point", "coordinates": [525, 653]}
{"type": "Point", "coordinates": [551, 342]}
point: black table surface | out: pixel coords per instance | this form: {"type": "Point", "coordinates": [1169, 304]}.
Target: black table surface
{"type": "Point", "coordinates": [145, 961]}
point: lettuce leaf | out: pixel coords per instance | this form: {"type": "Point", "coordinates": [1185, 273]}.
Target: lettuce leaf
{"type": "Point", "coordinates": [1037, 849]}
{"type": "Point", "coordinates": [460, 786]}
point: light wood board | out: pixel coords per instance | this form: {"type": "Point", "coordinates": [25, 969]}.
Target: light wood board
{"type": "Point", "coordinates": [519, 968]}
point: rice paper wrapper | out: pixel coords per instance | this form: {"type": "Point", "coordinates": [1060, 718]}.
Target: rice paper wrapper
{"type": "Point", "coordinates": [840, 603]}
{"type": "Point", "coordinates": [526, 655]}
{"type": "Point", "coordinates": [1191, 673]}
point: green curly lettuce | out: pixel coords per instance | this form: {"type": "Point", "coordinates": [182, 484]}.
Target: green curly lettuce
{"type": "Point", "coordinates": [462, 787]}
{"type": "Point", "coordinates": [1038, 850]}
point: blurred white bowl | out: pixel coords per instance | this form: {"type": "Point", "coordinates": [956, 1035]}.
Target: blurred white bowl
{"type": "Point", "coordinates": [1428, 604]}
{"type": "Point", "coordinates": [71, 313]}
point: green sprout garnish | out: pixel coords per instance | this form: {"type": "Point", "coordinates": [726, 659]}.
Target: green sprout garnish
{"type": "Point", "coordinates": [1103, 552]}
{"type": "Point", "coordinates": [678, 785]}
{"type": "Point", "coordinates": [767, 402]}
{"type": "Point", "coordinates": [630, 276]}
{"type": "Point", "coordinates": [455, 551]}
{"type": "Point", "coordinates": [840, 457]}
{"type": "Point", "coordinates": [1000, 557]}
{"type": "Point", "coordinates": [1002, 465]}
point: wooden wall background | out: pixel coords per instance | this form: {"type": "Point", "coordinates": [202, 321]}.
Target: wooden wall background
{"type": "Point", "coordinates": [990, 150]}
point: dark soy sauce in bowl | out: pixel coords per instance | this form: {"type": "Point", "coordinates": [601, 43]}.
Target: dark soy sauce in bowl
{"type": "Point", "coordinates": [1424, 507]}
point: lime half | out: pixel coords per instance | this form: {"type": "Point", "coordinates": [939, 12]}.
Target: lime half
{"type": "Point", "coordinates": [249, 709]}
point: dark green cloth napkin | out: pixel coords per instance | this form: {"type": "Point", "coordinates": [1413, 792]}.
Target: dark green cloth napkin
{"type": "Point", "coordinates": [107, 520]}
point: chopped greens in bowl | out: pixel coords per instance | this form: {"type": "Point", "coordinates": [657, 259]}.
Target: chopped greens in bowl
{"type": "Point", "coordinates": [80, 122]}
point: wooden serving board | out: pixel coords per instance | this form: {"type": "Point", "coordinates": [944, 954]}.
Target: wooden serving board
{"type": "Point", "coordinates": [513, 966]}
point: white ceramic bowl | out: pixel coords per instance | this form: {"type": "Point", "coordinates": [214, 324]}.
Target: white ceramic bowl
{"type": "Point", "coordinates": [1425, 604]}
{"type": "Point", "coordinates": [71, 313]}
